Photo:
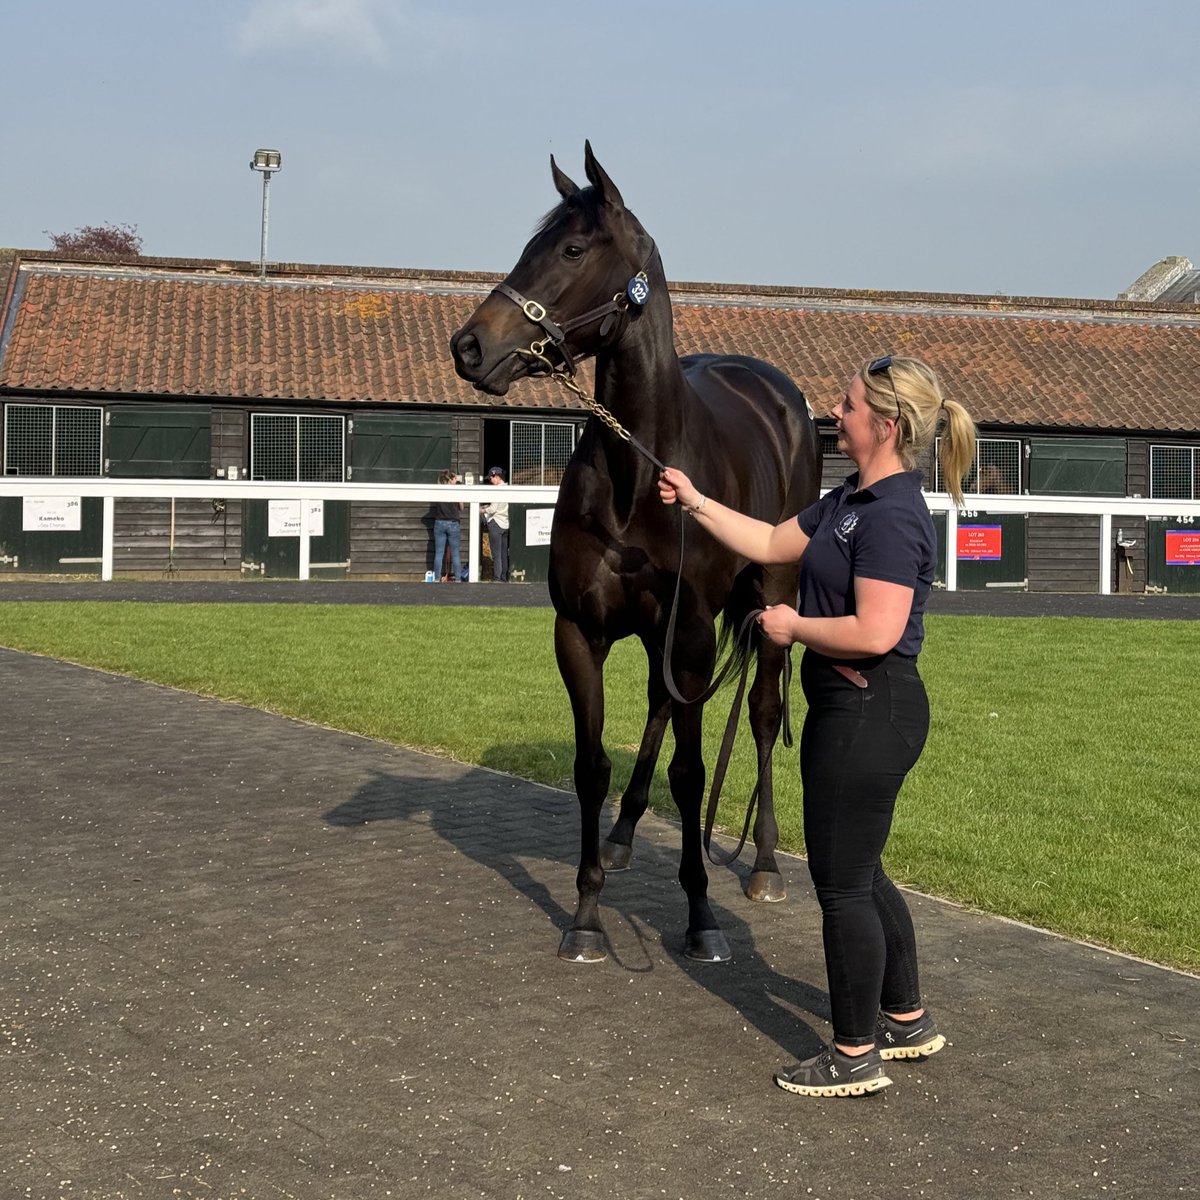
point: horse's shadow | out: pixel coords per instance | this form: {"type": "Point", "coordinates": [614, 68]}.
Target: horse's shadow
{"type": "Point", "coordinates": [535, 845]}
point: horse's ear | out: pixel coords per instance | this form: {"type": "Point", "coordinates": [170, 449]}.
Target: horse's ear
{"type": "Point", "coordinates": [565, 185]}
{"type": "Point", "coordinates": [598, 178]}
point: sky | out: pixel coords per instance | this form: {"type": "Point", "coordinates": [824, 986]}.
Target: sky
{"type": "Point", "coordinates": [1030, 147]}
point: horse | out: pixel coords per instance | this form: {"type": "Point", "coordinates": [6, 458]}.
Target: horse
{"type": "Point", "coordinates": [590, 282]}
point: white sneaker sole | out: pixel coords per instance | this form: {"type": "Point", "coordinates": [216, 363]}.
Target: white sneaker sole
{"type": "Point", "coordinates": [837, 1089]}
{"type": "Point", "coordinates": [924, 1050]}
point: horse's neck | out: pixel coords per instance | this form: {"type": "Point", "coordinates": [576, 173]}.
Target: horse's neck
{"type": "Point", "coordinates": [641, 383]}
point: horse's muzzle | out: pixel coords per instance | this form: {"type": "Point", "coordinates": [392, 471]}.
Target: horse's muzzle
{"type": "Point", "coordinates": [472, 363]}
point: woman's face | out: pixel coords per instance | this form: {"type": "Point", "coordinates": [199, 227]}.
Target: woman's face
{"type": "Point", "coordinates": [858, 428]}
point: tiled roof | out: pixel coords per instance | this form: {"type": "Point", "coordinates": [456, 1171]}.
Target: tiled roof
{"type": "Point", "coordinates": [158, 328]}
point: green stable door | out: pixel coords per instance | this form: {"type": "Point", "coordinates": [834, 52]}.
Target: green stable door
{"type": "Point", "coordinates": [991, 550]}
{"type": "Point", "coordinates": [271, 538]}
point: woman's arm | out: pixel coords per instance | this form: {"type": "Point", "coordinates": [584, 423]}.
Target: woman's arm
{"type": "Point", "coordinates": [759, 541]}
{"type": "Point", "coordinates": [882, 611]}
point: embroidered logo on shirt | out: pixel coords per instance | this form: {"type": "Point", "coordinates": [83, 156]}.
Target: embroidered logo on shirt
{"type": "Point", "coordinates": [845, 525]}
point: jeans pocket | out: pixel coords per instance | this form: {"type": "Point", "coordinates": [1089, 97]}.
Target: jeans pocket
{"type": "Point", "coordinates": [909, 706]}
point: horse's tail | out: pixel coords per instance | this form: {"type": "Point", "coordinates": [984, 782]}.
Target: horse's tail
{"type": "Point", "coordinates": [738, 638]}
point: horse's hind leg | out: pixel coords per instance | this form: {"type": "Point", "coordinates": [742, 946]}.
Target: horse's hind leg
{"type": "Point", "coordinates": [618, 846]}
{"type": "Point", "coordinates": [766, 712]}
{"type": "Point", "coordinates": [581, 664]}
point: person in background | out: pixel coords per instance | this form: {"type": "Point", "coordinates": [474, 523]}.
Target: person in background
{"type": "Point", "coordinates": [867, 553]}
{"type": "Point", "coordinates": [447, 531]}
{"type": "Point", "coordinates": [495, 519]}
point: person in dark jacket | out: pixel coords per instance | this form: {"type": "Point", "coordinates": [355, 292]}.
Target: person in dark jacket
{"type": "Point", "coordinates": [447, 531]}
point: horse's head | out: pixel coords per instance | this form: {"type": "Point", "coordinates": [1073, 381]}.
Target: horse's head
{"type": "Point", "coordinates": [576, 287]}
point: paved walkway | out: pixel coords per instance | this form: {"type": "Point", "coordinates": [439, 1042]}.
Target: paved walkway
{"type": "Point", "coordinates": [247, 957]}
{"type": "Point", "coordinates": [1175, 606]}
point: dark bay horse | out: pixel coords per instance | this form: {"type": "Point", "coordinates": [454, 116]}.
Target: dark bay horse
{"type": "Point", "coordinates": [590, 282]}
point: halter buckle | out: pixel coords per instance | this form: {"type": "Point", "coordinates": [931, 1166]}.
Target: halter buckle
{"type": "Point", "coordinates": [533, 310]}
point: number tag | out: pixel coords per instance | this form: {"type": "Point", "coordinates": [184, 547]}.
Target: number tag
{"type": "Point", "coordinates": [638, 290]}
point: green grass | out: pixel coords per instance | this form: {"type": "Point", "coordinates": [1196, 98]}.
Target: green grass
{"type": "Point", "coordinates": [1058, 786]}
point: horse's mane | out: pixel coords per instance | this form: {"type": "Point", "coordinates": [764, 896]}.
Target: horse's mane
{"type": "Point", "coordinates": [585, 202]}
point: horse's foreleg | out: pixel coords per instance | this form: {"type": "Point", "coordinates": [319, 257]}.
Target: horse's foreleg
{"type": "Point", "coordinates": [704, 939]}
{"type": "Point", "coordinates": [766, 713]}
{"type": "Point", "coordinates": [581, 664]}
{"type": "Point", "coordinates": [618, 846]}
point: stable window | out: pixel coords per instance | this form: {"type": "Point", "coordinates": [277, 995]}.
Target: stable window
{"type": "Point", "coordinates": [995, 471]}
{"type": "Point", "coordinates": [297, 449]}
{"type": "Point", "coordinates": [52, 439]}
{"type": "Point", "coordinates": [1175, 472]}
{"type": "Point", "coordinates": [539, 451]}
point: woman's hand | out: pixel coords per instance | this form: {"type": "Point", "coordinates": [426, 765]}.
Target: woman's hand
{"type": "Point", "coordinates": [780, 623]}
{"type": "Point", "coordinates": [674, 485]}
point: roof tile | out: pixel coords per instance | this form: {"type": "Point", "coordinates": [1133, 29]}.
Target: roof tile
{"type": "Point", "coordinates": [158, 331]}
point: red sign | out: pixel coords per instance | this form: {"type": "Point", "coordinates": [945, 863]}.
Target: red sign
{"type": "Point", "coordinates": [1183, 548]}
{"type": "Point", "coordinates": [979, 543]}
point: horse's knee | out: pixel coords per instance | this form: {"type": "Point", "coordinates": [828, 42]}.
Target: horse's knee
{"type": "Point", "coordinates": [686, 777]}
{"type": "Point", "coordinates": [593, 772]}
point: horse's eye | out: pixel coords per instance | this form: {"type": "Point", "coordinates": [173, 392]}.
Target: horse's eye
{"type": "Point", "coordinates": [570, 250]}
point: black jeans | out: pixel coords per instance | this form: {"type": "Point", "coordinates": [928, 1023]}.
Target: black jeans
{"type": "Point", "coordinates": [857, 746]}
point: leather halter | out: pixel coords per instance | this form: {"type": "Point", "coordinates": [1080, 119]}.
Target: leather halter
{"type": "Point", "coordinates": [556, 334]}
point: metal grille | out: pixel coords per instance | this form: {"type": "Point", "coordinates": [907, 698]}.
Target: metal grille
{"type": "Point", "coordinates": [1174, 472]}
{"type": "Point", "coordinates": [996, 471]}
{"type": "Point", "coordinates": [539, 451]}
{"type": "Point", "coordinates": [294, 448]}
{"type": "Point", "coordinates": [52, 439]}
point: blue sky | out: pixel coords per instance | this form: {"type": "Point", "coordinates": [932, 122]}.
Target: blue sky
{"type": "Point", "coordinates": [1042, 148]}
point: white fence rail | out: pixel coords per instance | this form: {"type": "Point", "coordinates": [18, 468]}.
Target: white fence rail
{"type": "Point", "coordinates": [109, 490]}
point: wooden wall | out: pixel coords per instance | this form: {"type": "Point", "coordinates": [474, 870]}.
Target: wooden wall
{"type": "Point", "coordinates": [1062, 553]}
{"type": "Point", "coordinates": [205, 539]}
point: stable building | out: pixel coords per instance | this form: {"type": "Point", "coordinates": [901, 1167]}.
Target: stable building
{"type": "Point", "coordinates": [178, 369]}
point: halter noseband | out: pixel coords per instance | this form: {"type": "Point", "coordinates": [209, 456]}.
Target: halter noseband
{"type": "Point", "coordinates": [556, 335]}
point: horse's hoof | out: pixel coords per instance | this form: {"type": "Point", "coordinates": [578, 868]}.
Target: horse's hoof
{"type": "Point", "coordinates": [583, 945]}
{"type": "Point", "coordinates": [767, 886]}
{"type": "Point", "coordinates": [615, 857]}
{"type": "Point", "coordinates": [707, 945]}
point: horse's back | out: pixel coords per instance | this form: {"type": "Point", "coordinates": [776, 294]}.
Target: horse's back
{"type": "Point", "coordinates": [729, 376]}
{"type": "Point", "coordinates": [758, 413]}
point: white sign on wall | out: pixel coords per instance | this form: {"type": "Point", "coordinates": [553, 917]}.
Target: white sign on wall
{"type": "Point", "coordinates": [537, 526]}
{"type": "Point", "coordinates": [283, 518]}
{"type": "Point", "coordinates": [51, 512]}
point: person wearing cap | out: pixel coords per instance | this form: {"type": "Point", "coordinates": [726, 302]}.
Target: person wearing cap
{"type": "Point", "coordinates": [495, 521]}
{"type": "Point", "coordinates": [867, 553]}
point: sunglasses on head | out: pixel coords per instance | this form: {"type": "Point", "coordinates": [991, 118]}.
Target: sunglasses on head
{"type": "Point", "coordinates": [883, 366]}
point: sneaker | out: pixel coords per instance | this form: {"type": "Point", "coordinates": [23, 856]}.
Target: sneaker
{"type": "Point", "coordinates": [832, 1073]}
{"type": "Point", "coordinates": [907, 1039]}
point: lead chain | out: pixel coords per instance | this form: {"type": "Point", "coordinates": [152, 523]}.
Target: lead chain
{"type": "Point", "coordinates": [537, 351]}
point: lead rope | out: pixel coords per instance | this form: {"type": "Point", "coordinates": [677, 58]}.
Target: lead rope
{"type": "Point", "coordinates": [743, 633]}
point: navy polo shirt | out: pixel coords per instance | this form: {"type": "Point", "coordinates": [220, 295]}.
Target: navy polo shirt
{"type": "Point", "coordinates": [881, 532]}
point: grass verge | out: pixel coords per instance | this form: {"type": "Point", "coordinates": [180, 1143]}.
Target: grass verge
{"type": "Point", "coordinates": [1057, 787]}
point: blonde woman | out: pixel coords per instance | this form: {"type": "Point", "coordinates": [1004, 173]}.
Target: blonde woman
{"type": "Point", "coordinates": [867, 552]}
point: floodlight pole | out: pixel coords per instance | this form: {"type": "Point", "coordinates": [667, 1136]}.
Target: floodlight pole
{"type": "Point", "coordinates": [266, 161]}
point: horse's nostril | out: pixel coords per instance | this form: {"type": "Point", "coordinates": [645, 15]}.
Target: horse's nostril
{"type": "Point", "coordinates": [467, 351]}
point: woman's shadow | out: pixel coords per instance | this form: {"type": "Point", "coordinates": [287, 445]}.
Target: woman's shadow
{"type": "Point", "coordinates": [528, 835]}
